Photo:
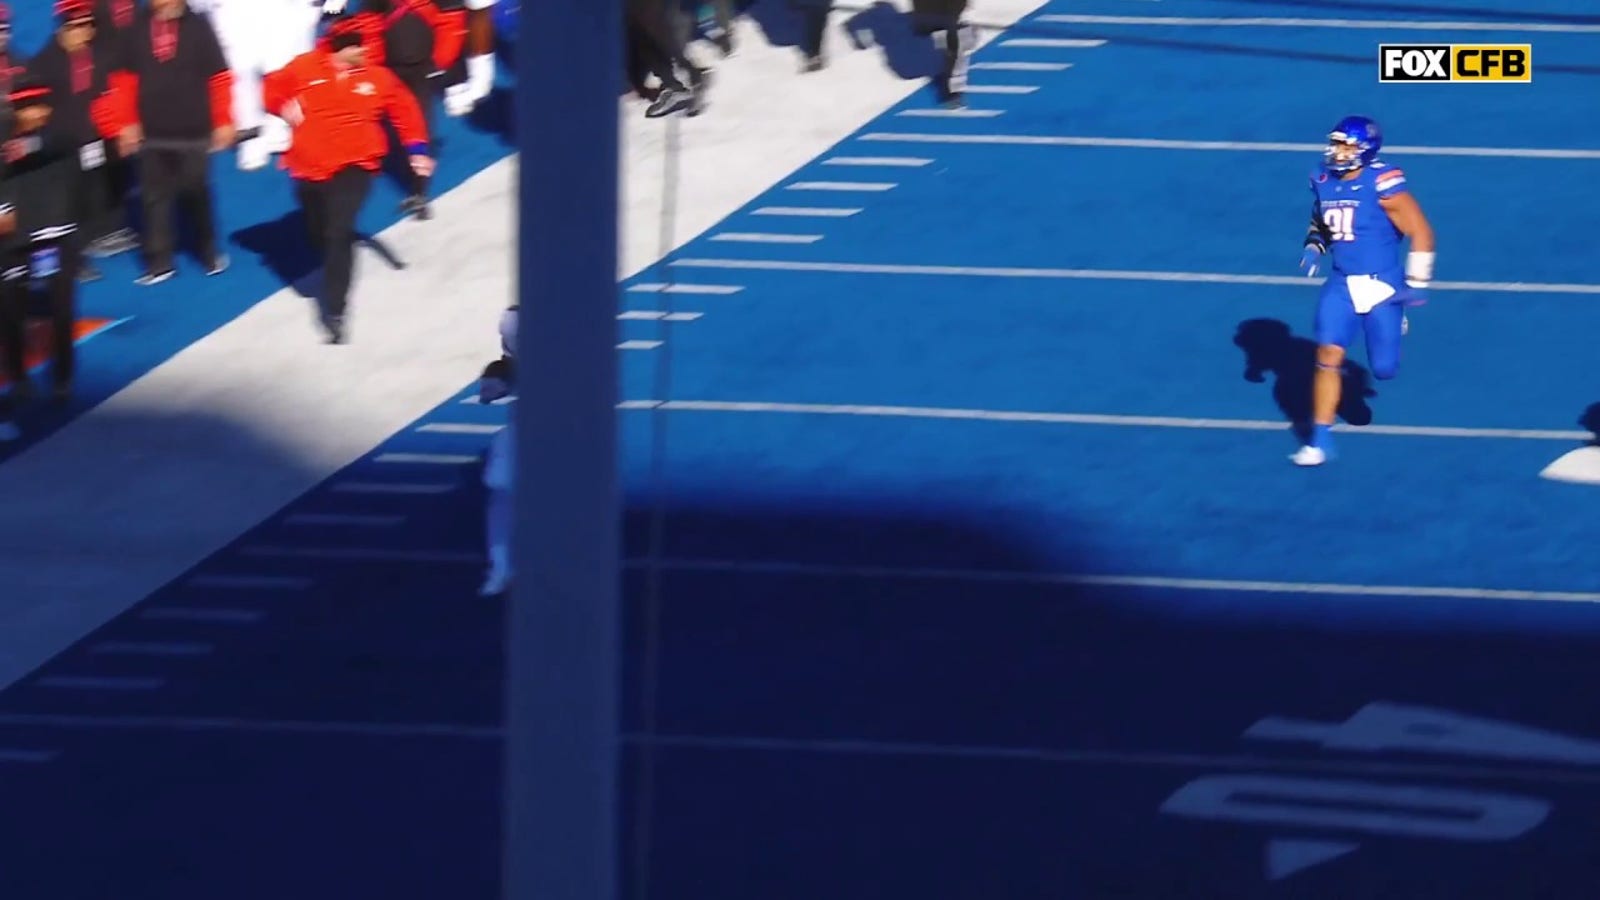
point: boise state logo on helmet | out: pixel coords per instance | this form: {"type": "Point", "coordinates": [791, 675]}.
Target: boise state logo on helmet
{"type": "Point", "coordinates": [1352, 144]}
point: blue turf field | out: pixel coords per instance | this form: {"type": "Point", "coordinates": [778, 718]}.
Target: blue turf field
{"type": "Point", "coordinates": [984, 571]}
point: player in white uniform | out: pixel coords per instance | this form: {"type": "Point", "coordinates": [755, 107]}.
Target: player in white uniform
{"type": "Point", "coordinates": [499, 469]}
{"type": "Point", "coordinates": [260, 36]}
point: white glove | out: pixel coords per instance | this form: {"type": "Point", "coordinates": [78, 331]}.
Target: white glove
{"type": "Point", "coordinates": [332, 7]}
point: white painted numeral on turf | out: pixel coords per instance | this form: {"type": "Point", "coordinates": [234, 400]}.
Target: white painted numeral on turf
{"type": "Point", "coordinates": [1380, 727]}
{"type": "Point", "coordinates": [1382, 809]}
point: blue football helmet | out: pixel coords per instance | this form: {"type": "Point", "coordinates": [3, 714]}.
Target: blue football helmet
{"type": "Point", "coordinates": [1352, 144]}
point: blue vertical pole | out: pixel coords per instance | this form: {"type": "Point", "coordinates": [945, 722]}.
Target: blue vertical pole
{"type": "Point", "coordinates": [563, 657]}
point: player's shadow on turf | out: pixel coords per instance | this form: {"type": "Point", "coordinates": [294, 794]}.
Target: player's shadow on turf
{"type": "Point", "coordinates": [284, 248]}
{"type": "Point", "coordinates": [1270, 346]}
{"type": "Point", "coordinates": [908, 55]}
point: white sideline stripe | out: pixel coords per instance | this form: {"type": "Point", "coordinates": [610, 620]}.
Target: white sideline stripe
{"type": "Point", "coordinates": [753, 237]}
{"type": "Point", "coordinates": [26, 756]}
{"type": "Point", "coordinates": [177, 723]}
{"type": "Point", "coordinates": [714, 289]}
{"type": "Point", "coordinates": [1002, 88]}
{"type": "Point", "coordinates": [361, 554]}
{"type": "Point", "coordinates": [459, 428]}
{"type": "Point", "coordinates": [657, 315]}
{"type": "Point", "coordinates": [1055, 418]}
{"type": "Point", "coordinates": [778, 265]}
{"type": "Point", "coordinates": [100, 683]}
{"type": "Point", "coordinates": [250, 582]}
{"type": "Point", "coordinates": [386, 487]}
{"type": "Point", "coordinates": [1052, 42]}
{"type": "Point", "coordinates": [1157, 759]}
{"type": "Point", "coordinates": [1277, 22]}
{"type": "Point", "coordinates": [960, 113]}
{"type": "Point", "coordinates": [151, 648]}
{"type": "Point", "coordinates": [434, 459]}
{"type": "Point", "coordinates": [340, 519]}
{"type": "Point", "coordinates": [737, 567]}
{"type": "Point", "coordinates": [1031, 140]}
{"type": "Point", "coordinates": [857, 186]}
{"type": "Point", "coordinates": [1020, 67]}
{"type": "Point", "coordinates": [902, 162]}
{"type": "Point", "coordinates": [209, 616]}
{"type": "Point", "coordinates": [639, 345]}
{"type": "Point", "coordinates": [828, 212]}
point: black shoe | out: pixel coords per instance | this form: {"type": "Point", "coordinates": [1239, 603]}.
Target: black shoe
{"type": "Point", "coordinates": [334, 326]}
{"type": "Point", "coordinates": [218, 264]}
{"type": "Point", "coordinates": [813, 64]}
{"type": "Point", "coordinates": [150, 278]}
{"type": "Point", "coordinates": [88, 273]}
{"type": "Point", "coordinates": [669, 101]}
{"type": "Point", "coordinates": [61, 394]}
{"type": "Point", "coordinates": [417, 207]}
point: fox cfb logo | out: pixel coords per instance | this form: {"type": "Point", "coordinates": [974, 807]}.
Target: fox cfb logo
{"type": "Point", "coordinates": [1455, 62]}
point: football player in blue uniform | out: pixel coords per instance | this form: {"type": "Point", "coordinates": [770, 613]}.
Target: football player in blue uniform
{"type": "Point", "coordinates": [1361, 209]}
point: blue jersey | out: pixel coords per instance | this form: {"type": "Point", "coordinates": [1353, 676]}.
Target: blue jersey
{"type": "Point", "coordinates": [1361, 238]}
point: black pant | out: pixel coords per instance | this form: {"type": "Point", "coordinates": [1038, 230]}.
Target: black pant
{"type": "Point", "coordinates": [416, 80]}
{"type": "Point", "coordinates": [959, 42]}
{"type": "Point", "coordinates": [665, 52]}
{"type": "Point", "coordinates": [16, 297]}
{"type": "Point", "coordinates": [330, 208]}
{"type": "Point", "coordinates": [101, 193]}
{"type": "Point", "coordinates": [182, 175]}
{"type": "Point", "coordinates": [814, 24]}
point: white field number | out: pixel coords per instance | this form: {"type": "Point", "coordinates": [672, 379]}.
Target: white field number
{"type": "Point", "coordinates": [1387, 809]}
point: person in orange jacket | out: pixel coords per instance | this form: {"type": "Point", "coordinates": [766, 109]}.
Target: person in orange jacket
{"type": "Point", "coordinates": [335, 101]}
{"type": "Point", "coordinates": [417, 42]}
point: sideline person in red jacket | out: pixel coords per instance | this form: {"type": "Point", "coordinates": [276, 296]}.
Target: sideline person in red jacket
{"type": "Point", "coordinates": [418, 43]}
{"type": "Point", "coordinates": [335, 103]}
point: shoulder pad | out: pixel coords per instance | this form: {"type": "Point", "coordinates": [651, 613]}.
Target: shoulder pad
{"type": "Point", "coordinates": [1390, 178]}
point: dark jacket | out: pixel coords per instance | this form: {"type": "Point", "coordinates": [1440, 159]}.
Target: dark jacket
{"type": "Point", "coordinates": [71, 92]}
{"type": "Point", "coordinates": [408, 44]}
{"type": "Point", "coordinates": [182, 95]}
{"type": "Point", "coordinates": [39, 188]}
{"type": "Point", "coordinates": [113, 17]}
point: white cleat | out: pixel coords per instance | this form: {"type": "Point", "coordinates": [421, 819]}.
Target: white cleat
{"type": "Point", "coordinates": [1309, 456]}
